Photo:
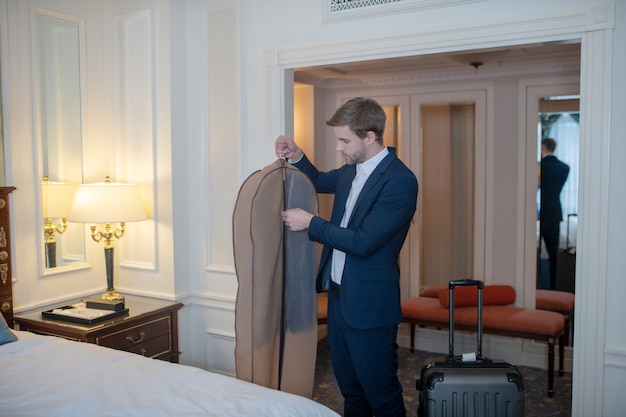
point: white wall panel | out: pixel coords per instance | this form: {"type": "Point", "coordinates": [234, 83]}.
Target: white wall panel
{"type": "Point", "coordinates": [137, 113]}
{"type": "Point", "coordinates": [213, 142]}
{"type": "Point", "coordinates": [219, 351]}
{"type": "Point", "coordinates": [133, 121]}
{"type": "Point", "coordinates": [223, 133]}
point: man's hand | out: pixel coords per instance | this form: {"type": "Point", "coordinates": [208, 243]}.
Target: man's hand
{"type": "Point", "coordinates": [296, 219]}
{"type": "Point", "coordinates": [285, 147]}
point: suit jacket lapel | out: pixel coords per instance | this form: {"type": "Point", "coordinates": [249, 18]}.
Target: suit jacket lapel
{"type": "Point", "coordinates": [341, 196]}
{"type": "Point", "coordinates": [374, 177]}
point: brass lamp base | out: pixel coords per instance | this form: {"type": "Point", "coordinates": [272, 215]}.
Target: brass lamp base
{"type": "Point", "coordinates": [112, 295]}
{"type": "Point", "coordinates": [108, 260]}
{"type": "Point", "coordinates": [51, 253]}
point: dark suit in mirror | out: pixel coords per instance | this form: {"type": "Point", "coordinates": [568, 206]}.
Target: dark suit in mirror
{"type": "Point", "coordinates": [553, 175]}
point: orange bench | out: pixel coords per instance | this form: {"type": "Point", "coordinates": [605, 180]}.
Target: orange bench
{"type": "Point", "coordinates": [322, 307]}
{"type": "Point", "coordinates": [560, 302]}
{"type": "Point", "coordinates": [498, 319]}
{"type": "Point", "coordinates": [550, 300]}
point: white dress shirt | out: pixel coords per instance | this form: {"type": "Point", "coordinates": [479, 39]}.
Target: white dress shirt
{"type": "Point", "coordinates": [363, 171]}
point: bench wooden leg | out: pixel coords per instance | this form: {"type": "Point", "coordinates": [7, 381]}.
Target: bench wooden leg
{"type": "Point", "coordinates": [551, 367]}
{"type": "Point", "coordinates": [562, 343]}
{"type": "Point", "coordinates": [412, 348]}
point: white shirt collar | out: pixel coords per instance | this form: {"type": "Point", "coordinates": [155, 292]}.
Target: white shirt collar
{"type": "Point", "coordinates": [371, 164]}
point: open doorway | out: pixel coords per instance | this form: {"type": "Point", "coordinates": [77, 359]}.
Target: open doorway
{"type": "Point", "coordinates": [500, 235]}
{"type": "Point", "coordinates": [499, 222]}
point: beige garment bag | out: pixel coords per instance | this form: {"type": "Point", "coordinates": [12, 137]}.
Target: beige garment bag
{"type": "Point", "coordinates": [276, 307]}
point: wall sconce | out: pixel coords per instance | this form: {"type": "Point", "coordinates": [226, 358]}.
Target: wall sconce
{"type": "Point", "coordinates": [105, 203]}
{"type": "Point", "coordinates": [56, 202]}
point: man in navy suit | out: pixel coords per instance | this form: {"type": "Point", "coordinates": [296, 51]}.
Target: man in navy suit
{"type": "Point", "coordinates": [375, 199]}
{"type": "Point", "coordinates": [553, 176]}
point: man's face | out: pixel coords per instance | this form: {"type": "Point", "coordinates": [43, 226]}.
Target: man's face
{"type": "Point", "coordinates": [352, 148]}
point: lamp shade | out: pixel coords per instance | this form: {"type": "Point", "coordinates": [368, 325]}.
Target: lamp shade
{"type": "Point", "coordinates": [107, 202]}
{"type": "Point", "coordinates": [56, 199]}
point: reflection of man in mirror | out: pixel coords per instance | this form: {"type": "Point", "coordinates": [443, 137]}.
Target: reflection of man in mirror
{"type": "Point", "coordinates": [553, 176]}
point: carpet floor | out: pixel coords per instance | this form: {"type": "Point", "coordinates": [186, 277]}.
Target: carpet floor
{"type": "Point", "coordinates": [536, 401]}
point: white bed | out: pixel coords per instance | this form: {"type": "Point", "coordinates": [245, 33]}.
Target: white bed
{"type": "Point", "coordinates": [50, 376]}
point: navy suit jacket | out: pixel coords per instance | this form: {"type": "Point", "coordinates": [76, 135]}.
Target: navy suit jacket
{"type": "Point", "coordinates": [370, 286]}
{"type": "Point", "coordinates": [553, 176]}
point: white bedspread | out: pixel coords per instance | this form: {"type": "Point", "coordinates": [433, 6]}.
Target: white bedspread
{"type": "Point", "coordinates": [49, 376]}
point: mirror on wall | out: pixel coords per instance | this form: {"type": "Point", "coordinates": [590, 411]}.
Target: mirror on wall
{"type": "Point", "coordinates": [557, 193]}
{"type": "Point", "coordinates": [60, 136]}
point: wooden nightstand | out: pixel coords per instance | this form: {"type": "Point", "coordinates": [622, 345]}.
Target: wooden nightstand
{"type": "Point", "coordinates": [150, 329]}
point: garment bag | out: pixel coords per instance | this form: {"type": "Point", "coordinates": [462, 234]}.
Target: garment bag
{"type": "Point", "coordinates": [276, 306]}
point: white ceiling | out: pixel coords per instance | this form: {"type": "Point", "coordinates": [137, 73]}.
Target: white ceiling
{"type": "Point", "coordinates": [479, 59]}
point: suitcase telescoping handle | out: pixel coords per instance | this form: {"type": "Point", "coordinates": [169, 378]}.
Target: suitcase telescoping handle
{"type": "Point", "coordinates": [567, 245]}
{"type": "Point", "coordinates": [479, 331]}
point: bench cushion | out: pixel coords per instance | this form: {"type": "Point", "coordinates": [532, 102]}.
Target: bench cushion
{"type": "Point", "coordinates": [433, 290]}
{"type": "Point", "coordinates": [468, 296]}
{"type": "Point", "coordinates": [560, 301]}
{"type": "Point", "coordinates": [551, 300]}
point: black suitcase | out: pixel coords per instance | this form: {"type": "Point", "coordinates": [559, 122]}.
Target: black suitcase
{"type": "Point", "coordinates": [566, 264]}
{"type": "Point", "coordinates": [469, 386]}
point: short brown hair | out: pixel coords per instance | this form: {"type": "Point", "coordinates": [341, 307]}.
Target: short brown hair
{"type": "Point", "coordinates": [361, 115]}
{"type": "Point", "coordinates": [549, 143]}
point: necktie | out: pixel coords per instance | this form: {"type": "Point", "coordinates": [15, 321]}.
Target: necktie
{"type": "Point", "coordinates": [339, 257]}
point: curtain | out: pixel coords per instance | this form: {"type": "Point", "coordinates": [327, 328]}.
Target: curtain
{"type": "Point", "coordinates": [547, 121]}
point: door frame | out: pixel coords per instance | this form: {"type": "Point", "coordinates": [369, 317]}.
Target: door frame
{"type": "Point", "coordinates": [531, 91]}
{"type": "Point", "coordinates": [483, 170]}
{"type": "Point", "coordinates": [594, 28]}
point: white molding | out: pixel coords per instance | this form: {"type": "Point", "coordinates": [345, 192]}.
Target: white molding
{"type": "Point", "coordinates": [592, 242]}
{"type": "Point", "coordinates": [601, 17]}
{"type": "Point", "coordinates": [221, 333]}
{"type": "Point", "coordinates": [392, 7]}
{"type": "Point", "coordinates": [565, 27]}
{"type": "Point", "coordinates": [221, 269]}
{"type": "Point", "coordinates": [220, 352]}
{"type": "Point", "coordinates": [615, 356]}
{"type": "Point", "coordinates": [279, 99]}
{"type": "Point", "coordinates": [214, 301]}
{"type": "Point", "coordinates": [417, 76]}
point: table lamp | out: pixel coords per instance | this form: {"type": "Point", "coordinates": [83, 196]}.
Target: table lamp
{"type": "Point", "coordinates": [106, 203]}
{"type": "Point", "coordinates": [56, 202]}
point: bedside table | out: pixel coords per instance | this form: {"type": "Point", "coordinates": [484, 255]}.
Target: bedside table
{"type": "Point", "coordinates": [150, 329]}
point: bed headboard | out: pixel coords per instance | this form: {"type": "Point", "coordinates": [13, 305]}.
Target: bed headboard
{"type": "Point", "coordinates": [6, 282]}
